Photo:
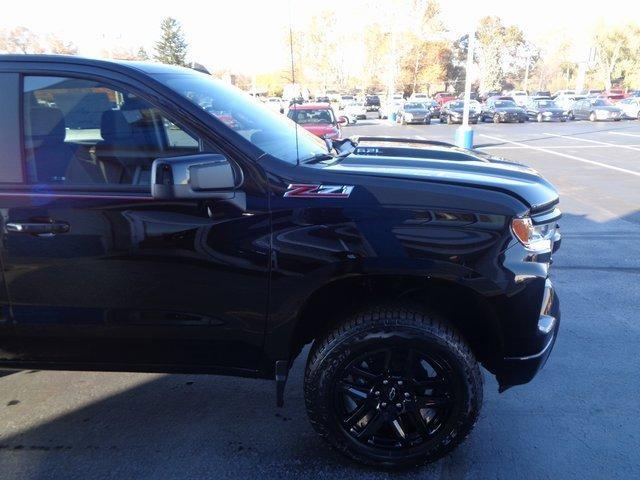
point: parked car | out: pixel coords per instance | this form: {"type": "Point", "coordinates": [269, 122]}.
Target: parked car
{"type": "Point", "coordinates": [520, 97]}
{"type": "Point", "coordinates": [275, 103]}
{"type": "Point", "coordinates": [473, 95]}
{"type": "Point", "coordinates": [211, 249]}
{"type": "Point", "coordinates": [452, 112]}
{"type": "Point", "coordinates": [390, 108]}
{"type": "Point", "coordinates": [499, 97]}
{"type": "Point", "coordinates": [545, 110]}
{"type": "Point", "coordinates": [318, 118]}
{"type": "Point", "coordinates": [566, 101]}
{"type": "Point", "coordinates": [614, 95]}
{"type": "Point", "coordinates": [630, 107]}
{"type": "Point", "coordinates": [540, 93]}
{"type": "Point", "coordinates": [372, 102]}
{"type": "Point", "coordinates": [434, 108]}
{"type": "Point", "coordinates": [419, 97]}
{"type": "Point", "coordinates": [502, 109]}
{"type": "Point", "coordinates": [443, 97]}
{"type": "Point", "coordinates": [355, 111]}
{"type": "Point", "coordinates": [563, 92]}
{"type": "Point", "coordinates": [345, 100]}
{"type": "Point", "coordinates": [323, 99]}
{"type": "Point", "coordinates": [414, 112]}
{"type": "Point", "coordinates": [594, 109]}
{"type": "Point", "coordinates": [487, 95]}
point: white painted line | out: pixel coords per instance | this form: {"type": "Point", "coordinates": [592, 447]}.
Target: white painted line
{"type": "Point", "coordinates": [625, 134]}
{"type": "Point", "coordinates": [555, 147]}
{"type": "Point", "coordinates": [613, 145]}
{"type": "Point", "coordinates": [572, 157]}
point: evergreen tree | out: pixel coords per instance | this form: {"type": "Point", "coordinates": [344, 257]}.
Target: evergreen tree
{"type": "Point", "coordinates": [172, 46]}
{"type": "Point", "coordinates": [142, 54]}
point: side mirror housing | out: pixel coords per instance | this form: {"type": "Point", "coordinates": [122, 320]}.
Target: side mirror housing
{"type": "Point", "coordinates": [194, 177]}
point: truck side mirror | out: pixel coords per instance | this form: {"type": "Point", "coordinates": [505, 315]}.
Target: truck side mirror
{"type": "Point", "coordinates": [198, 176]}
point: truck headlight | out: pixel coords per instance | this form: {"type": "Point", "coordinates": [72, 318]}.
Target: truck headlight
{"type": "Point", "coordinates": [533, 237]}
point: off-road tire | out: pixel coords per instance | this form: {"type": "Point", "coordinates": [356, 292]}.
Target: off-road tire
{"type": "Point", "coordinates": [384, 327]}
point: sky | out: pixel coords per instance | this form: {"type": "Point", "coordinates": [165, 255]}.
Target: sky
{"type": "Point", "coordinates": [247, 35]}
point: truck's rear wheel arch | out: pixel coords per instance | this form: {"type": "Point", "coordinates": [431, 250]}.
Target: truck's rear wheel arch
{"type": "Point", "coordinates": [470, 312]}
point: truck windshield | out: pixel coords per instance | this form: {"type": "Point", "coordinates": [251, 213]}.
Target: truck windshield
{"type": "Point", "coordinates": [270, 131]}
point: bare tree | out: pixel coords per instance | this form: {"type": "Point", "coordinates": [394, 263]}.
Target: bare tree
{"type": "Point", "coordinates": [59, 46]}
{"type": "Point", "coordinates": [612, 47]}
{"type": "Point", "coordinates": [20, 40]}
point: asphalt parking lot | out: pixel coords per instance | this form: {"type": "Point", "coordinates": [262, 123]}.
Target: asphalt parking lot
{"type": "Point", "coordinates": [580, 418]}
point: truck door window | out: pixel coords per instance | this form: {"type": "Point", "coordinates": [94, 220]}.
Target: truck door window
{"type": "Point", "coordinates": [81, 132]}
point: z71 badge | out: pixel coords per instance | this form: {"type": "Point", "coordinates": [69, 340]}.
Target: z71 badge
{"type": "Point", "coordinates": [318, 191]}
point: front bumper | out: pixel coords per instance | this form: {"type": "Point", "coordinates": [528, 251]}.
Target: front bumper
{"type": "Point", "coordinates": [517, 370]}
{"type": "Point", "coordinates": [608, 115]}
{"type": "Point", "coordinates": [473, 118]}
{"type": "Point", "coordinates": [512, 117]}
{"type": "Point", "coordinates": [554, 117]}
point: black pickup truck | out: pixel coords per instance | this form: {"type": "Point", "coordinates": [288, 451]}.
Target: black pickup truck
{"type": "Point", "coordinates": [155, 219]}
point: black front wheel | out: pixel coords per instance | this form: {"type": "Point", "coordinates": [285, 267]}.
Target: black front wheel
{"type": "Point", "coordinates": [393, 387]}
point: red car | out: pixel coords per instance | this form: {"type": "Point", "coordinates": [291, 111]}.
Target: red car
{"type": "Point", "coordinates": [614, 95]}
{"type": "Point", "coordinates": [318, 118]}
{"type": "Point", "coordinates": [443, 97]}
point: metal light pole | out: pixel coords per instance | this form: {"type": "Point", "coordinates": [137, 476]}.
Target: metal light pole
{"type": "Point", "coordinates": [464, 134]}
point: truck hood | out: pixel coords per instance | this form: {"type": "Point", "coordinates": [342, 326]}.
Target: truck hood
{"type": "Point", "coordinates": [448, 164]}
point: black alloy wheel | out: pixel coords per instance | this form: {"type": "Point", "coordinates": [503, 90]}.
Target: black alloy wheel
{"type": "Point", "coordinates": [393, 386]}
{"type": "Point", "coordinates": [395, 398]}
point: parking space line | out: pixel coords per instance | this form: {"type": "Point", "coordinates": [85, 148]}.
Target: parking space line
{"type": "Point", "coordinates": [555, 147]}
{"type": "Point", "coordinates": [592, 141]}
{"type": "Point", "coordinates": [565, 155]}
{"type": "Point", "coordinates": [626, 134]}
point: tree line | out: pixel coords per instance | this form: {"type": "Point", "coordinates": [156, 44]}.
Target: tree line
{"type": "Point", "coordinates": [171, 47]}
{"type": "Point", "coordinates": [411, 50]}
{"type": "Point", "coordinates": [405, 47]}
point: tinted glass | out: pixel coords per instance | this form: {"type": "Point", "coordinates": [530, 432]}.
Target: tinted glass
{"type": "Point", "coordinates": [80, 131]}
{"type": "Point", "coordinates": [504, 103]}
{"type": "Point", "coordinates": [312, 116]}
{"type": "Point", "coordinates": [268, 130]}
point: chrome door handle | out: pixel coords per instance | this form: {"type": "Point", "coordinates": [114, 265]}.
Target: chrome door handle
{"type": "Point", "coordinates": [37, 228]}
